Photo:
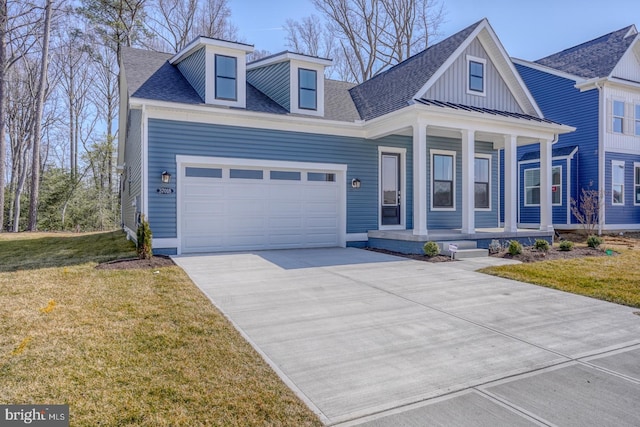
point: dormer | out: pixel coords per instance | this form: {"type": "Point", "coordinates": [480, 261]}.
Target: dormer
{"type": "Point", "coordinates": [293, 80]}
{"type": "Point", "coordinates": [216, 69]}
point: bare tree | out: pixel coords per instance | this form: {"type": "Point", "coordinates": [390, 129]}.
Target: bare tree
{"type": "Point", "coordinates": [213, 20]}
{"type": "Point", "coordinates": [173, 23]}
{"type": "Point", "coordinates": [367, 36]}
{"type": "Point", "coordinates": [587, 209]}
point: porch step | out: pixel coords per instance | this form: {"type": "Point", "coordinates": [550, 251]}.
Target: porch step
{"type": "Point", "coordinates": [471, 253]}
{"type": "Point", "coordinates": [461, 244]}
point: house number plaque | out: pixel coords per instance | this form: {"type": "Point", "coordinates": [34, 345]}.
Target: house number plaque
{"type": "Point", "coordinates": [165, 190]}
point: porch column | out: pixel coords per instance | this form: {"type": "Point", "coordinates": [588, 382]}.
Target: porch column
{"type": "Point", "coordinates": [510, 183]}
{"type": "Point", "coordinates": [420, 178]}
{"type": "Point", "coordinates": [546, 212]}
{"type": "Point", "coordinates": [468, 182]}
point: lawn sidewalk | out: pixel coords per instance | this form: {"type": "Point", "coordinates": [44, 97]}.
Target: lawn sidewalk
{"type": "Point", "coordinates": [125, 347]}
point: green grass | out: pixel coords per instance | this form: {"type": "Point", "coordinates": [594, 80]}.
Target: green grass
{"type": "Point", "coordinates": [125, 347]}
{"type": "Point", "coordinates": [615, 279]}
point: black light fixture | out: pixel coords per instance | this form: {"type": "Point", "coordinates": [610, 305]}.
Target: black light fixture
{"type": "Point", "coordinates": [355, 183]}
{"type": "Point", "coordinates": [166, 177]}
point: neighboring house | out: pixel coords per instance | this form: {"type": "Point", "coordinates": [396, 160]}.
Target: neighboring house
{"type": "Point", "coordinates": [594, 87]}
{"type": "Point", "coordinates": [270, 154]}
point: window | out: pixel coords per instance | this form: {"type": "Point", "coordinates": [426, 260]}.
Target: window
{"type": "Point", "coordinates": [481, 173]}
{"type": "Point", "coordinates": [618, 116]}
{"type": "Point", "coordinates": [637, 120]}
{"type": "Point", "coordinates": [203, 172]}
{"type": "Point", "coordinates": [245, 173]}
{"type": "Point", "coordinates": [637, 183]}
{"type": "Point", "coordinates": [226, 77]}
{"type": "Point", "coordinates": [321, 176]}
{"type": "Point", "coordinates": [475, 68]}
{"type": "Point", "coordinates": [307, 93]}
{"type": "Point", "coordinates": [532, 186]}
{"type": "Point", "coordinates": [617, 182]}
{"type": "Point", "coordinates": [443, 173]}
{"type": "Point", "coordinates": [285, 176]}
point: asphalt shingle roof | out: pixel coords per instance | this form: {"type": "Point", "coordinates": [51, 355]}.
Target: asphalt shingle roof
{"type": "Point", "coordinates": [556, 152]}
{"type": "Point", "coordinates": [395, 88]}
{"type": "Point", "coordinates": [595, 58]}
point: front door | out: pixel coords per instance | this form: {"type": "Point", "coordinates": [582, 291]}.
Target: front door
{"type": "Point", "coordinates": [390, 189]}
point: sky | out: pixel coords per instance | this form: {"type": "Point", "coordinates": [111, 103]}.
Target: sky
{"type": "Point", "coordinates": [528, 29]}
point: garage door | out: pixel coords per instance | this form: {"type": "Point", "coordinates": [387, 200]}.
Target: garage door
{"type": "Point", "coordinates": [251, 206]}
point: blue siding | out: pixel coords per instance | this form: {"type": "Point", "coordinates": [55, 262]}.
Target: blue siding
{"type": "Point", "coordinates": [170, 138]}
{"type": "Point", "coordinates": [453, 219]}
{"type": "Point", "coordinates": [629, 213]}
{"type": "Point", "coordinates": [130, 194]}
{"type": "Point", "coordinates": [559, 100]}
{"type": "Point", "coordinates": [531, 214]}
{"type": "Point", "coordinates": [193, 69]}
{"type": "Point", "coordinates": [273, 81]}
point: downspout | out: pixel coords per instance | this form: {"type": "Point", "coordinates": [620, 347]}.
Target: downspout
{"type": "Point", "coordinates": [601, 178]}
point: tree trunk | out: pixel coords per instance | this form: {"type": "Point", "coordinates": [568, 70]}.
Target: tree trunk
{"type": "Point", "coordinates": [35, 160]}
{"type": "Point", "coordinates": [3, 103]}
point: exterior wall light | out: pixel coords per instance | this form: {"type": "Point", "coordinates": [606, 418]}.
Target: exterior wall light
{"type": "Point", "coordinates": [166, 177]}
{"type": "Point", "coordinates": [355, 183]}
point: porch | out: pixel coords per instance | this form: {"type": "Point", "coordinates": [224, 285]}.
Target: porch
{"type": "Point", "coordinates": [405, 241]}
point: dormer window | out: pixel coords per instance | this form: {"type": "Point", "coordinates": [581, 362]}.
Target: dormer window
{"type": "Point", "coordinates": [307, 89]}
{"type": "Point", "coordinates": [226, 77]}
{"type": "Point", "coordinates": [476, 75]}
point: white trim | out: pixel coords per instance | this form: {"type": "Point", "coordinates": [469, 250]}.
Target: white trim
{"type": "Point", "coordinates": [288, 56]}
{"type": "Point", "coordinates": [490, 158]}
{"type": "Point", "coordinates": [340, 169]}
{"type": "Point", "coordinates": [131, 235]}
{"type": "Point", "coordinates": [294, 88]}
{"type": "Point", "coordinates": [569, 188]}
{"type": "Point", "coordinates": [618, 99]}
{"type": "Point", "coordinates": [403, 186]}
{"type": "Point", "coordinates": [636, 165]}
{"type": "Point", "coordinates": [432, 152]}
{"type": "Point", "coordinates": [207, 41]}
{"type": "Point", "coordinates": [144, 146]}
{"type": "Point", "coordinates": [635, 226]}
{"type": "Point", "coordinates": [615, 163]}
{"type": "Point", "coordinates": [163, 243]}
{"type": "Point", "coordinates": [554, 158]}
{"type": "Point", "coordinates": [547, 70]}
{"type": "Point", "coordinates": [524, 189]}
{"type": "Point", "coordinates": [483, 61]}
{"type": "Point", "coordinates": [357, 237]}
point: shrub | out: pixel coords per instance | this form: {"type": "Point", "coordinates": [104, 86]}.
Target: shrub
{"type": "Point", "coordinates": [594, 241]}
{"type": "Point", "coordinates": [495, 246]}
{"type": "Point", "coordinates": [566, 245]}
{"type": "Point", "coordinates": [431, 249]}
{"type": "Point", "coordinates": [541, 245]}
{"type": "Point", "coordinates": [515, 248]}
{"type": "Point", "coordinates": [143, 234]}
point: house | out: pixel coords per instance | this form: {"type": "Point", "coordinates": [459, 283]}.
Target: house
{"type": "Point", "coordinates": [594, 87]}
{"type": "Point", "coordinates": [224, 155]}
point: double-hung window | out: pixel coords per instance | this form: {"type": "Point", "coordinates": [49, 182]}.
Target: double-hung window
{"type": "Point", "coordinates": [307, 89]}
{"type": "Point", "coordinates": [637, 124]}
{"type": "Point", "coordinates": [617, 182]}
{"type": "Point", "coordinates": [481, 171]}
{"type": "Point", "coordinates": [637, 183]}
{"type": "Point", "coordinates": [226, 77]}
{"type": "Point", "coordinates": [532, 186]}
{"type": "Point", "coordinates": [443, 181]}
{"type": "Point", "coordinates": [618, 116]}
{"type": "Point", "coordinates": [476, 75]}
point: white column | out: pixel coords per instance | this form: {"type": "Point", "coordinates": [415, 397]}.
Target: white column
{"type": "Point", "coordinates": [420, 179]}
{"type": "Point", "coordinates": [546, 212]}
{"type": "Point", "coordinates": [510, 183]}
{"type": "Point", "coordinates": [468, 179]}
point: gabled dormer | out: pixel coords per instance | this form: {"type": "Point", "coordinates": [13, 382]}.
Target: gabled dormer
{"type": "Point", "coordinates": [294, 81]}
{"type": "Point", "coordinates": [216, 69]}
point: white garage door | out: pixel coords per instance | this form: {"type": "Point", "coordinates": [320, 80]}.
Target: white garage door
{"type": "Point", "coordinates": [248, 206]}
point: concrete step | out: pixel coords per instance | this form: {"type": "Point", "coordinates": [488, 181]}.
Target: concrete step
{"type": "Point", "coordinates": [471, 253]}
{"type": "Point", "coordinates": [461, 244]}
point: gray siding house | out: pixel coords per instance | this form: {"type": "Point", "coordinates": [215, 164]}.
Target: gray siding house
{"type": "Point", "coordinates": [222, 155]}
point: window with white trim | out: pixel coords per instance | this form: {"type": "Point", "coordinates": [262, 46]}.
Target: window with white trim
{"type": "Point", "coordinates": [482, 173]}
{"type": "Point", "coordinates": [476, 75]}
{"type": "Point", "coordinates": [307, 89]}
{"type": "Point", "coordinates": [637, 183]}
{"type": "Point", "coordinates": [226, 76]}
{"type": "Point", "coordinates": [443, 188]}
{"type": "Point", "coordinates": [618, 116]}
{"type": "Point", "coordinates": [637, 124]}
{"type": "Point", "coordinates": [617, 182]}
{"type": "Point", "coordinates": [532, 186]}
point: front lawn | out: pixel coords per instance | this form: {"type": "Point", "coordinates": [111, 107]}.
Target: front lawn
{"type": "Point", "coordinates": [610, 278]}
{"type": "Point", "coordinates": [125, 347]}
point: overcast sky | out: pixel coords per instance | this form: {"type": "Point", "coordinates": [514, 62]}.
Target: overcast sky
{"type": "Point", "coordinates": [528, 29]}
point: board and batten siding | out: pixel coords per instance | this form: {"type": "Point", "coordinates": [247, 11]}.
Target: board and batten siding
{"type": "Point", "coordinates": [130, 195]}
{"type": "Point", "coordinates": [193, 69]}
{"type": "Point", "coordinates": [629, 213]}
{"type": "Point", "coordinates": [273, 81]}
{"type": "Point", "coordinates": [451, 86]}
{"type": "Point", "coordinates": [560, 101]}
{"type": "Point", "coordinates": [170, 138]}
{"type": "Point", "coordinates": [453, 219]}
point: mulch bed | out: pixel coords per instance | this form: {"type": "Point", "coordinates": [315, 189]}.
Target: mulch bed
{"type": "Point", "coordinates": [135, 263]}
{"type": "Point", "coordinates": [437, 258]}
{"type": "Point", "coordinates": [529, 254]}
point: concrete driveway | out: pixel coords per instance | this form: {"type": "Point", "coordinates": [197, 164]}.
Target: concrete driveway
{"type": "Point", "coordinates": [370, 339]}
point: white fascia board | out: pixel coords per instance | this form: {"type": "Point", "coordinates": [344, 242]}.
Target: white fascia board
{"type": "Point", "coordinates": [289, 56]}
{"type": "Point", "coordinates": [590, 83]}
{"type": "Point", "coordinates": [452, 58]}
{"type": "Point", "coordinates": [205, 41]}
{"type": "Point", "coordinates": [242, 118]}
{"type": "Point", "coordinates": [547, 70]}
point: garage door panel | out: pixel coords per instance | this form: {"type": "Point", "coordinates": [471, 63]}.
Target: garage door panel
{"type": "Point", "coordinates": [227, 214]}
